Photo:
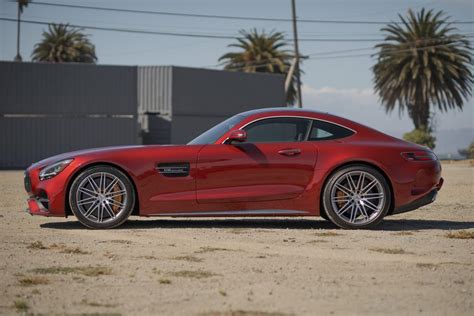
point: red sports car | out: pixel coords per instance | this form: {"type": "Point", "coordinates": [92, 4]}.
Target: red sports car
{"type": "Point", "coordinates": [268, 162]}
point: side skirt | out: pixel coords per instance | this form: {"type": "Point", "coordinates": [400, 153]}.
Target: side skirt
{"type": "Point", "coordinates": [235, 213]}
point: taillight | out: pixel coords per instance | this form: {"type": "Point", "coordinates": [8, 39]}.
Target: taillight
{"type": "Point", "coordinates": [419, 156]}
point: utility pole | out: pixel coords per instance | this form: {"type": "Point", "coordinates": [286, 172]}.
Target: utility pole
{"type": "Point", "coordinates": [18, 56]}
{"type": "Point", "coordinates": [297, 55]}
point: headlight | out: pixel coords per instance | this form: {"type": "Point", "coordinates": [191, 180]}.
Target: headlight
{"type": "Point", "coordinates": [54, 169]}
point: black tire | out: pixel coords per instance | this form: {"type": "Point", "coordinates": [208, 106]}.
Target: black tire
{"type": "Point", "coordinates": [322, 213]}
{"type": "Point", "coordinates": [94, 220]}
{"type": "Point", "coordinates": [370, 217]}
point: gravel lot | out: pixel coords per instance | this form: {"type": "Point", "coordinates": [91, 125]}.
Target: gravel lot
{"type": "Point", "coordinates": [415, 263]}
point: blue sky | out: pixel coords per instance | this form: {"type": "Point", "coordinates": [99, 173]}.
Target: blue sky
{"type": "Point", "coordinates": [341, 85]}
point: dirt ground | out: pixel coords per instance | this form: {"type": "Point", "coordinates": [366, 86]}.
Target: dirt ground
{"type": "Point", "coordinates": [419, 262]}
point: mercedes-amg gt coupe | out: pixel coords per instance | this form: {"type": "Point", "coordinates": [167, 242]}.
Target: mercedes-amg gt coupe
{"type": "Point", "coordinates": [267, 162]}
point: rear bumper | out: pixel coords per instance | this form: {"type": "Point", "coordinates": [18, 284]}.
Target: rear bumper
{"type": "Point", "coordinates": [425, 200]}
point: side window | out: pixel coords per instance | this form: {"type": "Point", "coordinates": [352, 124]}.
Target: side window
{"type": "Point", "coordinates": [325, 131]}
{"type": "Point", "coordinates": [282, 129]}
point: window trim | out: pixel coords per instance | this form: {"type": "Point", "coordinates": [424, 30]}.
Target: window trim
{"type": "Point", "coordinates": [293, 116]}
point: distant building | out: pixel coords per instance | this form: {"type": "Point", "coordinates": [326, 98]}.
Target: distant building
{"type": "Point", "coordinates": [46, 109]}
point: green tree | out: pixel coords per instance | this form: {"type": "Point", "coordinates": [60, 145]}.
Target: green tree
{"type": "Point", "coordinates": [422, 137]}
{"type": "Point", "coordinates": [261, 52]}
{"type": "Point", "coordinates": [468, 152]}
{"type": "Point", "coordinates": [62, 44]}
{"type": "Point", "coordinates": [422, 64]}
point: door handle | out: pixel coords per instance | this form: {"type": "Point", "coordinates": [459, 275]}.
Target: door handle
{"type": "Point", "coordinates": [290, 151]}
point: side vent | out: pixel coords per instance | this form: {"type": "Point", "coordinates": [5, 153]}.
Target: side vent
{"type": "Point", "coordinates": [173, 169]}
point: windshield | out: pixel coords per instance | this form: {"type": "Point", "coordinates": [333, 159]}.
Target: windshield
{"type": "Point", "coordinates": [210, 136]}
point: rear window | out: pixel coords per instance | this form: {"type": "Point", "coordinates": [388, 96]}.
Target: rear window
{"type": "Point", "coordinates": [322, 130]}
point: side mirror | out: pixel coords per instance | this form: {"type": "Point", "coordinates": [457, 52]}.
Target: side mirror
{"type": "Point", "coordinates": [237, 136]}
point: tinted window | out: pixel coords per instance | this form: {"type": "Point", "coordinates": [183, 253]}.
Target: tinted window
{"type": "Point", "coordinates": [213, 134]}
{"type": "Point", "coordinates": [324, 131]}
{"type": "Point", "coordinates": [277, 130]}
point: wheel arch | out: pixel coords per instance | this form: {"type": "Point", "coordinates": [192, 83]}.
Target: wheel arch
{"type": "Point", "coordinates": [67, 207]}
{"type": "Point", "coordinates": [352, 163]}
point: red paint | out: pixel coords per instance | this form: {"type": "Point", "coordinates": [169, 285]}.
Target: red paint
{"type": "Point", "coordinates": [245, 176]}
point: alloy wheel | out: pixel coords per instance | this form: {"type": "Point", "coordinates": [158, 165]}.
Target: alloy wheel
{"type": "Point", "coordinates": [101, 197]}
{"type": "Point", "coordinates": [357, 197]}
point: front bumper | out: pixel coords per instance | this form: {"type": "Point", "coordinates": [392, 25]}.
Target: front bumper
{"type": "Point", "coordinates": [36, 207]}
{"type": "Point", "coordinates": [45, 198]}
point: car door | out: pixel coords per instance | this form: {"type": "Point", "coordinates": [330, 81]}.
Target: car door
{"type": "Point", "coordinates": [274, 163]}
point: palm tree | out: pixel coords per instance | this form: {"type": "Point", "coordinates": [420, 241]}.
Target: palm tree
{"type": "Point", "coordinates": [62, 44]}
{"type": "Point", "coordinates": [21, 5]}
{"type": "Point", "coordinates": [423, 63]}
{"type": "Point", "coordinates": [261, 52]}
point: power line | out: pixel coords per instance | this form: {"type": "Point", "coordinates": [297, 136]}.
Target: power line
{"type": "Point", "coordinates": [128, 30]}
{"type": "Point", "coordinates": [213, 36]}
{"type": "Point", "coordinates": [332, 56]}
{"type": "Point", "coordinates": [223, 17]}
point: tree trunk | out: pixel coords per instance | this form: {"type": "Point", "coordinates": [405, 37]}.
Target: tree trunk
{"type": "Point", "coordinates": [420, 115]}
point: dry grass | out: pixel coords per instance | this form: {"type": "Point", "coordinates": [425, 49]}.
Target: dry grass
{"type": "Point", "coordinates": [391, 251]}
{"type": "Point", "coordinates": [222, 292]}
{"type": "Point", "coordinates": [199, 274]}
{"type": "Point", "coordinates": [403, 233]}
{"type": "Point", "coordinates": [238, 231]}
{"type": "Point", "coordinates": [96, 304]}
{"type": "Point", "coordinates": [327, 234]}
{"type": "Point", "coordinates": [148, 257]}
{"type": "Point", "coordinates": [89, 271]}
{"type": "Point", "coordinates": [21, 305]}
{"type": "Point", "coordinates": [211, 249]}
{"type": "Point", "coordinates": [427, 265]}
{"type": "Point", "coordinates": [316, 241]}
{"type": "Point", "coordinates": [164, 281]}
{"type": "Point", "coordinates": [462, 234]}
{"type": "Point", "coordinates": [33, 280]}
{"type": "Point", "coordinates": [188, 258]}
{"type": "Point", "coordinates": [244, 313]}
{"type": "Point", "coordinates": [37, 245]}
{"type": "Point", "coordinates": [120, 241]}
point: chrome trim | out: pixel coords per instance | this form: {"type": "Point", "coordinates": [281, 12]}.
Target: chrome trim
{"type": "Point", "coordinates": [254, 212]}
{"type": "Point", "coordinates": [291, 116]}
{"type": "Point", "coordinates": [179, 169]}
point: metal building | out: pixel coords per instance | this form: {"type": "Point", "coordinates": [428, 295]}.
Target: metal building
{"type": "Point", "coordinates": [46, 109]}
{"type": "Point", "coordinates": [175, 104]}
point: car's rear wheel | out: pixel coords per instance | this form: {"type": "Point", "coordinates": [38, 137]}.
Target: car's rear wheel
{"type": "Point", "coordinates": [102, 197]}
{"type": "Point", "coordinates": [356, 197]}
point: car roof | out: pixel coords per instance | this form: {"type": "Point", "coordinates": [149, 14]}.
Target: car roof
{"type": "Point", "coordinates": [297, 111]}
{"type": "Point", "coordinates": [290, 111]}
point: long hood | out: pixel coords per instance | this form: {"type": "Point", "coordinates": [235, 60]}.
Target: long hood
{"type": "Point", "coordinates": [96, 152]}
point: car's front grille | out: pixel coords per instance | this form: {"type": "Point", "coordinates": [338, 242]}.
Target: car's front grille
{"type": "Point", "coordinates": [27, 182]}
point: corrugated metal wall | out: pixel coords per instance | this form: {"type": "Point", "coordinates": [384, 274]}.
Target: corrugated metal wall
{"type": "Point", "coordinates": [46, 109]}
{"type": "Point", "coordinates": [177, 104]}
{"type": "Point", "coordinates": [49, 109]}
{"type": "Point", "coordinates": [203, 98]}
{"type": "Point", "coordinates": [154, 97]}
{"type": "Point", "coordinates": [154, 89]}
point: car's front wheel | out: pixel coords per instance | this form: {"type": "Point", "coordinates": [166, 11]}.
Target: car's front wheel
{"type": "Point", "coordinates": [102, 197]}
{"type": "Point", "coordinates": [356, 196]}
